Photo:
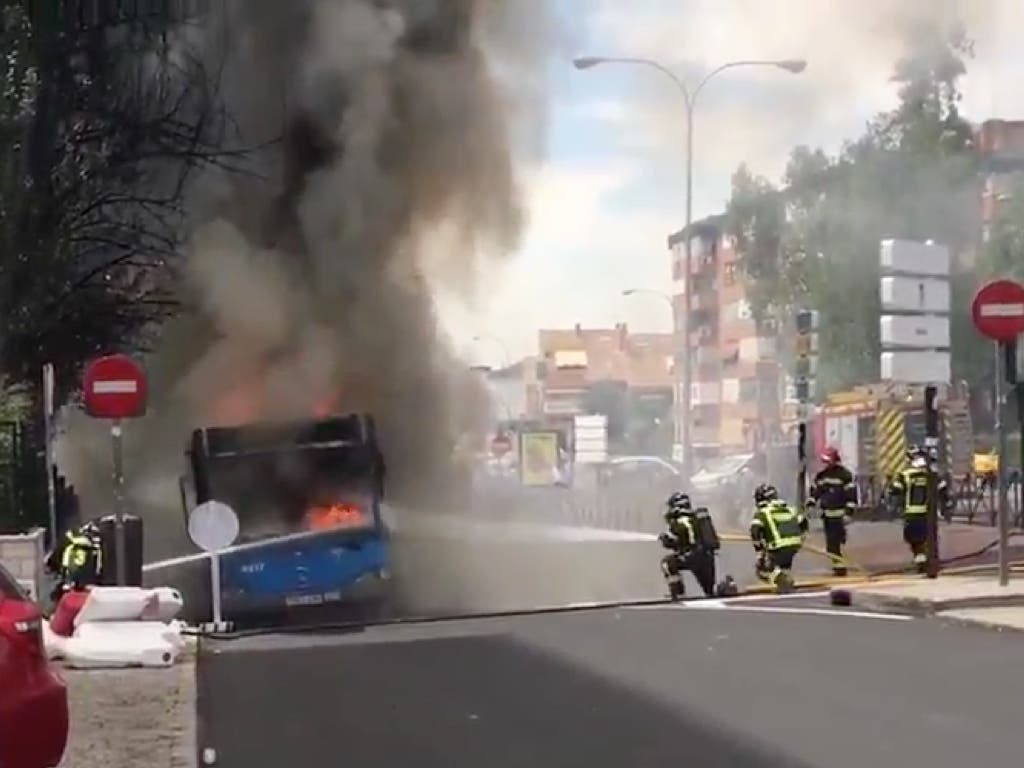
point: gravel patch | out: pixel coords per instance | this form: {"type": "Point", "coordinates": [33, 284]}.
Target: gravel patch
{"type": "Point", "coordinates": [128, 718]}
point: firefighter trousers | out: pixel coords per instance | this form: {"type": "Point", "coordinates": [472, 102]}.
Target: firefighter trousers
{"type": "Point", "coordinates": [773, 563]}
{"type": "Point", "coordinates": [915, 534]}
{"type": "Point", "coordinates": [835, 538]}
{"type": "Point", "coordinates": [700, 563]}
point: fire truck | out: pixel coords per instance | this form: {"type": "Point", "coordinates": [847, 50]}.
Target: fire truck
{"type": "Point", "coordinates": [308, 498]}
{"type": "Point", "coordinates": [873, 425]}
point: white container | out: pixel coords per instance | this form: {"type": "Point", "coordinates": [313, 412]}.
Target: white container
{"type": "Point", "coordinates": [914, 258]}
{"type": "Point", "coordinates": [920, 331]}
{"type": "Point", "coordinates": [916, 367]}
{"type": "Point", "coordinates": [915, 294]}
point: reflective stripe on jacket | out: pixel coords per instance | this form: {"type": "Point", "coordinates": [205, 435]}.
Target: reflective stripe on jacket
{"type": "Point", "coordinates": [780, 524]}
{"type": "Point", "coordinates": [912, 486]}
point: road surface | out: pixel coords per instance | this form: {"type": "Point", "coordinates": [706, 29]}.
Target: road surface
{"type": "Point", "coordinates": [748, 683]}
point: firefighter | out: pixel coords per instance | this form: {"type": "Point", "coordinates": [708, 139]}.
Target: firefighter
{"type": "Point", "coordinates": [777, 532]}
{"type": "Point", "coordinates": [910, 491]}
{"type": "Point", "coordinates": [80, 560]}
{"type": "Point", "coordinates": [834, 493]}
{"type": "Point", "coordinates": [692, 541]}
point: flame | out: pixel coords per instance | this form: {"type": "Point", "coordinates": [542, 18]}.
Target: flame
{"type": "Point", "coordinates": [337, 515]}
{"type": "Point", "coordinates": [235, 407]}
{"type": "Point", "coordinates": [246, 403]}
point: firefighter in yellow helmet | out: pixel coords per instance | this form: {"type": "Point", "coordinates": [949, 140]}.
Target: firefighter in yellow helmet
{"type": "Point", "coordinates": [777, 532]}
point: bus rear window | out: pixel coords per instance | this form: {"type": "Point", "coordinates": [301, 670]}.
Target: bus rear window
{"type": "Point", "coordinates": [282, 492]}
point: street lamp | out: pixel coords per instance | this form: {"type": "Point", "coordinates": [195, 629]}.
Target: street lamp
{"type": "Point", "coordinates": [652, 292]}
{"type": "Point", "coordinates": [794, 66]}
{"type": "Point", "coordinates": [501, 344]}
{"type": "Point", "coordinates": [672, 309]}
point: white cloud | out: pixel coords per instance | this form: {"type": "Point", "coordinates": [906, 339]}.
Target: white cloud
{"type": "Point", "coordinates": [578, 256]}
{"type": "Point", "coordinates": [756, 115]}
{"type": "Point", "coordinates": [581, 249]}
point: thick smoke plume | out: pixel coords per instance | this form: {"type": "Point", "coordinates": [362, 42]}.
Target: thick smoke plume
{"type": "Point", "coordinates": [385, 126]}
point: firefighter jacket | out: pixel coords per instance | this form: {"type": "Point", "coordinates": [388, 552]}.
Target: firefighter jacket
{"type": "Point", "coordinates": [682, 535]}
{"type": "Point", "coordinates": [80, 559]}
{"type": "Point", "coordinates": [777, 525]}
{"type": "Point", "coordinates": [834, 492]}
{"type": "Point", "coordinates": [911, 488]}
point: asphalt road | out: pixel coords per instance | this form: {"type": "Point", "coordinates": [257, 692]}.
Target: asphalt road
{"type": "Point", "coordinates": [730, 684]}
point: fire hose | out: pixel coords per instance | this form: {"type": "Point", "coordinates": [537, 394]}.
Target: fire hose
{"type": "Point", "coordinates": [841, 561]}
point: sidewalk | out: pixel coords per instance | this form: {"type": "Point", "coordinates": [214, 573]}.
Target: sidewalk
{"type": "Point", "coordinates": [131, 718]}
{"type": "Point", "coordinates": [976, 599]}
{"type": "Point", "coordinates": [878, 547]}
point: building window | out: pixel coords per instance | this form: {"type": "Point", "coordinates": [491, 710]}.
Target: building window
{"type": "Point", "coordinates": [730, 273]}
{"type": "Point", "coordinates": [748, 390]}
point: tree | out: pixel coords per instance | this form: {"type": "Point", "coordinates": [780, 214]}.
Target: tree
{"type": "Point", "coordinates": [104, 121]}
{"type": "Point", "coordinates": [815, 241]}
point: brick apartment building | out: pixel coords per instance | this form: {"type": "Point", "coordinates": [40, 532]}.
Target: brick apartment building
{"type": "Point", "coordinates": [735, 393]}
{"type": "Point", "coordinates": [578, 368]}
{"type": "Point", "coordinates": [1000, 144]}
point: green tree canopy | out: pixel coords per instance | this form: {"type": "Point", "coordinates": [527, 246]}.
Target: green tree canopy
{"type": "Point", "coordinates": [814, 239]}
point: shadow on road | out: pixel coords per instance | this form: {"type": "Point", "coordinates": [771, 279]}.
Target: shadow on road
{"type": "Point", "coordinates": [465, 700]}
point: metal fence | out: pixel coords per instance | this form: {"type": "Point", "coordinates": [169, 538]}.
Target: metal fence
{"type": "Point", "coordinates": [974, 501]}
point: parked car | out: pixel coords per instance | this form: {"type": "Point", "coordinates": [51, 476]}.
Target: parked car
{"type": "Point", "coordinates": [726, 486]}
{"type": "Point", "coordinates": [33, 697]}
{"type": "Point", "coordinates": [646, 476]}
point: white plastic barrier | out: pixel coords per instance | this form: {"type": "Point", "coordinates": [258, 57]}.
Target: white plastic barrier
{"type": "Point", "coordinates": [122, 627]}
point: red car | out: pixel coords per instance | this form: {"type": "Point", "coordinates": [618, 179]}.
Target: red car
{"type": "Point", "coordinates": [33, 698]}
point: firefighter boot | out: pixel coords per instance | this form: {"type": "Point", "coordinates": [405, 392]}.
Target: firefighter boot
{"type": "Point", "coordinates": [676, 591]}
{"type": "Point", "coordinates": [761, 567]}
{"type": "Point", "coordinates": [920, 562]}
{"type": "Point", "coordinates": [783, 581]}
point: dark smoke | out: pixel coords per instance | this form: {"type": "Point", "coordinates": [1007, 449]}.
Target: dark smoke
{"type": "Point", "coordinates": [309, 281]}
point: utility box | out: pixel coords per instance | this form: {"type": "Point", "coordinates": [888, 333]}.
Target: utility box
{"type": "Point", "coordinates": [132, 550]}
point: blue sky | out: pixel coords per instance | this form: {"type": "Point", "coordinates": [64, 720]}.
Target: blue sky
{"type": "Point", "coordinates": [608, 188]}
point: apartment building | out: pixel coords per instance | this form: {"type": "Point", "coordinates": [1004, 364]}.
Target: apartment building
{"type": "Point", "coordinates": [735, 392]}
{"type": "Point", "coordinates": [1000, 145]}
{"type": "Point", "coordinates": [580, 368]}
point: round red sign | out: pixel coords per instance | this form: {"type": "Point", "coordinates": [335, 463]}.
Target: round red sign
{"type": "Point", "coordinates": [998, 310]}
{"type": "Point", "coordinates": [114, 387]}
{"type": "Point", "coordinates": [501, 445]}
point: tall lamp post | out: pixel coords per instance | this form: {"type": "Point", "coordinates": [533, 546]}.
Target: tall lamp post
{"type": "Point", "coordinates": [505, 363]}
{"type": "Point", "coordinates": [506, 357]}
{"type": "Point", "coordinates": [675, 378]}
{"type": "Point", "coordinates": [795, 66]}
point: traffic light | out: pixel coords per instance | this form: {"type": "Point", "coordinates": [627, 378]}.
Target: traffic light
{"type": "Point", "coordinates": [806, 364]}
{"type": "Point", "coordinates": [806, 321]}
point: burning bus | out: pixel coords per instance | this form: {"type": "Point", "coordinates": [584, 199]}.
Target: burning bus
{"type": "Point", "coordinates": [308, 497]}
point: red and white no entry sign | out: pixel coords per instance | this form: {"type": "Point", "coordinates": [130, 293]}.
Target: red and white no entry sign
{"type": "Point", "coordinates": [114, 388]}
{"type": "Point", "coordinates": [501, 445]}
{"type": "Point", "coordinates": [998, 310]}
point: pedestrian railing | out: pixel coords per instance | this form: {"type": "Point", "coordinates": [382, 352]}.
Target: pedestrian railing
{"type": "Point", "coordinates": [973, 499]}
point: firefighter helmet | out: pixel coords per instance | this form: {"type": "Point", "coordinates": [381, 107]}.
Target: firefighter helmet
{"type": "Point", "coordinates": [678, 503]}
{"type": "Point", "coordinates": [830, 455]}
{"type": "Point", "coordinates": [765, 493]}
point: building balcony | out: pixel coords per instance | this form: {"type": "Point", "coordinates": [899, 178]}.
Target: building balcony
{"type": "Point", "coordinates": [756, 349]}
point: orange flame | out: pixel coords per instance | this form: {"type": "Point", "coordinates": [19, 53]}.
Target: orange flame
{"type": "Point", "coordinates": [338, 515]}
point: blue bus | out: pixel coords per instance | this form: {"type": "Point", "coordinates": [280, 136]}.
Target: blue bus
{"type": "Point", "coordinates": [308, 498]}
